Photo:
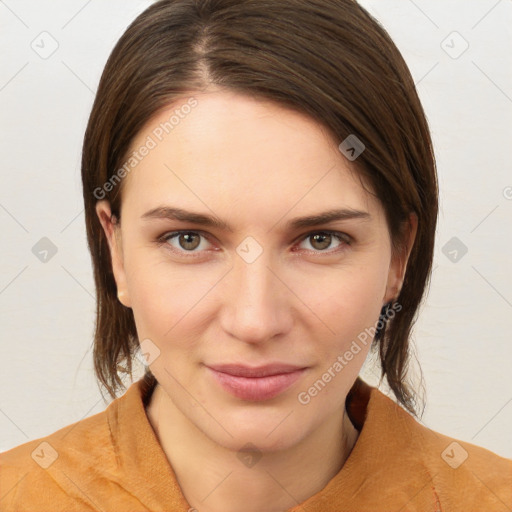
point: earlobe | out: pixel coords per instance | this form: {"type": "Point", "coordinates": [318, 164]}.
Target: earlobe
{"type": "Point", "coordinates": [121, 297]}
{"type": "Point", "coordinates": [112, 232]}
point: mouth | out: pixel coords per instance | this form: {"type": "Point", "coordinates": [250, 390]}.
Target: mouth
{"type": "Point", "coordinates": [256, 383]}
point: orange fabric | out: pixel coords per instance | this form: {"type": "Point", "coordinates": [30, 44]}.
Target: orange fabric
{"type": "Point", "coordinates": [113, 462]}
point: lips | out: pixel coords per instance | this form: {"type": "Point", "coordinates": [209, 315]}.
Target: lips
{"type": "Point", "coordinates": [259, 371]}
{"type": "Point", "coordinates": [256, 383]}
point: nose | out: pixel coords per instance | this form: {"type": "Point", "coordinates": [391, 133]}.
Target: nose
{"type": "Point", "coordinates": [256, 304]}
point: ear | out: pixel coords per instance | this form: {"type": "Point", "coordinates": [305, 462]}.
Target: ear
{"type": "Point", "coordinates": [398, 264]}
{"type": "Point", "coordinates": [112, 231]}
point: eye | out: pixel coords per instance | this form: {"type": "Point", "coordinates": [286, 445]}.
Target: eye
{"type": "Point", "coordinates": [194, 242]}
{"type": "Point", "coordinates": [186, 241]}
{"type": "Point", "coordinates": [319, 241]}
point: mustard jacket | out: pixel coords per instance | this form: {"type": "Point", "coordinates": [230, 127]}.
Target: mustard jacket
{"type": "Point", "coordinates": [112, 461]}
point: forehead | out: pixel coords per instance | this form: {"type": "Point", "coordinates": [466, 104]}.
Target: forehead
{"type": "Point", "coordinates": [233, 148]}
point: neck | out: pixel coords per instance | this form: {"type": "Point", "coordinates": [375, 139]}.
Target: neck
{"type": "Point", "coordinates": [212, 478]}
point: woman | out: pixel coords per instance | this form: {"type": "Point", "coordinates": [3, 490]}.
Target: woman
{"type": "Point", "coordinates": [261, 204]}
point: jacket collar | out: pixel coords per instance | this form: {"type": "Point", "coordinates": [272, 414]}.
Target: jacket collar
{"type": "Point", "coordinates": [376, 474]}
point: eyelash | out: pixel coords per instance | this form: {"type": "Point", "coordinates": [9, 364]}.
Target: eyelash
{"type": "Point", "coordinates": [341, 237]}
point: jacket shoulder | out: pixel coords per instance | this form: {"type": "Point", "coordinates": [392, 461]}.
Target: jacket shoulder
{"type": "Point", "coordinates": [463, 474]}
{"type": "Point", "coordinates": [25, 469]}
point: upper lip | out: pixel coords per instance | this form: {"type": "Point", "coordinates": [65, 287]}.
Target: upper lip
{"type": "Point", "coordinates": [239, 370]}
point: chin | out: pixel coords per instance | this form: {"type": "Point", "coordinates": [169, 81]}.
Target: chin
{"type": "Point", "coordinates": [258, 441]}
{"type": "Point", "coordinates": [267, 432]}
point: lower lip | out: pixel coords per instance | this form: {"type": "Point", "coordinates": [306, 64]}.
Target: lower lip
{"type": "Point", "coordinates": [256, 388]}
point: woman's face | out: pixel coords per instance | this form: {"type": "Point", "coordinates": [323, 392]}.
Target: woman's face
{"type": "Point", "coordinates": [257, 280]}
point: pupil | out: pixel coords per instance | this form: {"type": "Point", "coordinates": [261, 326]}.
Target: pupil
{"type": "Point", "coordinates": [187, 242]}
{"type": "Point", "coordinates": [322, 240]}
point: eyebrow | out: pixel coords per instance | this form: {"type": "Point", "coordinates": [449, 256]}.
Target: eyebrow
{"type": "Point", "coordinates": [179, 214]}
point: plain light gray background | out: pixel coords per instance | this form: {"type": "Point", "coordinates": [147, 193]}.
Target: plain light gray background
{"type": "Point", "coordinates": [456, 51]}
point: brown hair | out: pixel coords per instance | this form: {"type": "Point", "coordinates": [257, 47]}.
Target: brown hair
{"type": "Point", "coordinates": [328, 59]}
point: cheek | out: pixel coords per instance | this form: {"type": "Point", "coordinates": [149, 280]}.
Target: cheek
{"type": "Point", "coordinates": [344, 302]}
{"type": "Point", "coordinates": [346, 305]}
{"type": "Point", "coordinates": [167, 299]}
{"type": "Point", "coordinates": [343, 307]}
